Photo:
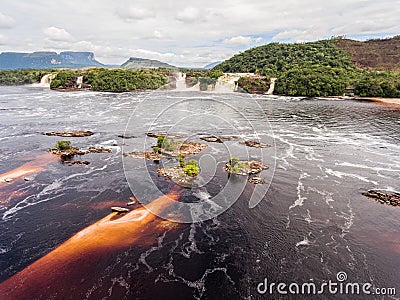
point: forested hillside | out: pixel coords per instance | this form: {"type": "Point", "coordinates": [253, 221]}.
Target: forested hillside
{"type": "Point", "coordinates": [274, 58]}
{"type": "Point", "coordinates": [325, 68]}
{"type": "Point", "coordinates": [377, 54]}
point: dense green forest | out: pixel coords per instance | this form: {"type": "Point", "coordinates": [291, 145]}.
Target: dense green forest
{"type": "Point", "coordinates": [110, 80]}
{"type": "Point", "coordinates": [117, 80]}
{"type": "Point", "coordinates": [19, 77]}
{"type": "Point", "coordinates": [313, 69]}
{"type": "Point", "coordinates": [274, 58]}
{"type": "Point", "coordinates": [65, 79]}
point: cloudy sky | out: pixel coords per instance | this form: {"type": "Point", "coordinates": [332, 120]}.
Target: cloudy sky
{"type": "Point", "coordinates": [186, 33]}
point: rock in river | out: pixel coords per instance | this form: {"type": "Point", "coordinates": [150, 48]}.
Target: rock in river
{"type": "Point", "coordinates": [145, 155]}
{"type": "Point", "coordinates": [119, 210]}
{"type": "Point", "coordinates": [255, 144]}
{"type": "Point", "coordinates": [244, 167]}
{"type": "Point", "coordinates": [256, 180]}
{"type": "Point", "coordinates": [218, 139]}
{"type": "Point", "coordinates": [73, 133]}
{"type": "Point", "coordinates": [384, 197]}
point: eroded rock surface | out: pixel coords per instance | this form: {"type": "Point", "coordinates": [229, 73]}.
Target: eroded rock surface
{"type": "Point", "coordinates": [255, 144]}
{"type": "Point", "coordinates": [73, 133]}
{"type": "Point", "coordinates": [384, 197]}
{"type": "Point", "coordinates": [145, 155]}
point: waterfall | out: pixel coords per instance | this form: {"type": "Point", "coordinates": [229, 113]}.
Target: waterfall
{"type": "Point", "coordinates": [225, 84]}
{"type": "Point", "coordinates": [272, 86]}
{"type": "Point", "coordinates": [180, 81]}
{"type": "Point", "coordinates": [79, 82]}
{"type": "Point", "coordinates": [195, 88]}
{"type": "Point", "coordinates": [45, 81]}
{"type": "Point", "coordinates": [222, 86]}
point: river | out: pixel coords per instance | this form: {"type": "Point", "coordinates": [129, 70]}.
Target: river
{"type": "Point", "coordinates": [311, 224]}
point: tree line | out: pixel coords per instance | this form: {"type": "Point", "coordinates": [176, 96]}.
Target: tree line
{"type": "Point", "coordinates": [312, 69]}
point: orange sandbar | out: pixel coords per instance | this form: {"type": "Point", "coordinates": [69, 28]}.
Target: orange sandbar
{"type": "Point", "coordinates": [63, 269]}
{"type": "Point", "coordinates": [31, 167]}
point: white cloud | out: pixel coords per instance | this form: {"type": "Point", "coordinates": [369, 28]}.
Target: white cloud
{"type": "Point", "coordinates": [6, 21]}
{"type": "Point", "coordinates": [195, 32]}
{"type": "Point", "coordinates": [299, 35]}
{"type": "Point", "coordinates": [188, 14]}
{"type": "Point", "coordinates": [3, 39]}
{"type": "Point", "coordinates": [135, 13]}
{"type": "Point", "coordinates": [242, 40]}
{"type": "Point", "coordinates": [57, 34]}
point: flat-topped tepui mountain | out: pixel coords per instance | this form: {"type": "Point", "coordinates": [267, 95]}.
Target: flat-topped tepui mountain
{"type": "Point", "coordinates": [143, 63]}
{"type": "Point", "coordinates": [46, 60]}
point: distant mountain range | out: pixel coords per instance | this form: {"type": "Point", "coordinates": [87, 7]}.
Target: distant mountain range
{"type": "Point", "coordinates": [212, 65]}
{"type": "Point", "coordinates": [143, 63]}
{"type": "Point", "coordinates": [46, 60]}
{"type": "Point", "coordinates": [74, 60]}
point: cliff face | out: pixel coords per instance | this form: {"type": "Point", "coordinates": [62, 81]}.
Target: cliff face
{"type": "Point", "coordinates": [45, 60]}
{"type": "Point", "coordinates": [377, 54]}
{"type": "Point", "coordinates": [142, 63]}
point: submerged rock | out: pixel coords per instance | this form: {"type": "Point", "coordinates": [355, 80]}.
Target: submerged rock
{"type": "Point", "coordinates": [187, 149]}
{"type": "Point", "coordinates": [124, 136]}
{"type": "Point", "coordinates": [77, 162]}
{"type": "Point", "coordinates": [132, 201]}
{"type": "Point", "coordinates": [384, 197]}
{"type": "Point", "coordinates": [73, 133]}
{"type": "Point", "coordinates": [218, 139]}
{"type": "Point", "coordinates": [98, 150]}
{"type": "Point", "coordinates": [119, 210]}
{"type": "Point", "coordinates": [145, 155]}
{"type": "Point", "coordinates": [212, 139]}
{"type": "Point", "coordinates": [256, 180]}
{"type": "Point", "coordinates": [183, 149]}
{"type": "Point", "coordinates": [166, 135]}
{"type": "Point", "coordinates": [255, 144]}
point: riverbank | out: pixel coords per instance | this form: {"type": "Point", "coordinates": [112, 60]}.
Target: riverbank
{"type": "Point", "coordinates": [395, 101]}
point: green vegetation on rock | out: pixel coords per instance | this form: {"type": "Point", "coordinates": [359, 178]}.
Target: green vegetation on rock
{"type": "Point", "coordinates": [110, 80]}
{"type": "Point", "coordinates": [20, 77]}
{"type": "Point", "coordinates": [117, 80]}
{"type": "Point", "coordinates": [164, 143]}
{"type": "Point", "coordinates": [191, 169]}
{"type": "Point", "coordinates": [62, 146]}
{"type": "Point", "coordinates": [65, 79]}
{"type": "Point", "coordinates": [236, 166]}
